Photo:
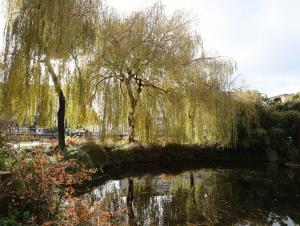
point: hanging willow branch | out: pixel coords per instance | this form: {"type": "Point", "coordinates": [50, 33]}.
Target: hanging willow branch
{"type": "Point", "coordinates": [175, 92]}
{"type": "Point", "coordinates": [145, 75]}
{"type": "Point", "coordinates": [51, 31]}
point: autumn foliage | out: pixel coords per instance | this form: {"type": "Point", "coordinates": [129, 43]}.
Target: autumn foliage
{"type": "Point", "coordinates": [44, 184]}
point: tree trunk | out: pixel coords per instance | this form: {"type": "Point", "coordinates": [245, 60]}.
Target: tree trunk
{"type": "Point", "coordinates": [62, 105]}
{"type": "Point", "coordinates": [61, 121]}
{"type": "Point", "coordinates": [131, 116]}
{"type": "Point", "coordinates": [192, 186]}
{"type": "Point", "coordinates": [131, 124]}
{"type": "Point", "coordinates": [192, 181]}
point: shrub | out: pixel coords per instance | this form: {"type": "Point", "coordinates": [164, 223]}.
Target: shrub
{"type": "Point", "coordinates": [42, 185]}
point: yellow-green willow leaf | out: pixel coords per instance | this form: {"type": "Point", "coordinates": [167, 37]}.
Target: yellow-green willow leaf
{"type": "Point", "coordinates": [42, 37]}
{"type": "Point", "coordinates": [155, 82]}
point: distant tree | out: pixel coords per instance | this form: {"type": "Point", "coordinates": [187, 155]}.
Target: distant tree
{"type": "Point", "coordinates": [42, 36]}
{"type": "Point", "coordinates": [151, 69]}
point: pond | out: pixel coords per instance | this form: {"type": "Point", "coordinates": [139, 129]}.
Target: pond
{"type": "Point", "coordinates": [264, 196]}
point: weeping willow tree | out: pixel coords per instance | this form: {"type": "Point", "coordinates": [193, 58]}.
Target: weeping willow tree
{"type": "Point", "coordinates": [153, 79]}
{"type": "Point", "coordinates": [42, 38]}
{"type": "Point", "coordinates": [145, 74]}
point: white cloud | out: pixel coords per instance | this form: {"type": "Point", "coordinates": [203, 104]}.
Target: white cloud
{"type": "Point", "coordinates": [274, 85]}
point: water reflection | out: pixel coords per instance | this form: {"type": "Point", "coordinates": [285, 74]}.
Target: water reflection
{"type": "Point", "coordinates": [204, 197]}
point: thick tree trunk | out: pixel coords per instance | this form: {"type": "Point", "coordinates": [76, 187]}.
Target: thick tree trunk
{"type": "Point", "coordinates": [131, 124]}
{"type": "Point", "coordinates": [131, 115]}
{"type": "Point", "coordinates": [133, 98]}
{"type": "Point", "coordinates": [62, 105]}
{"type": "Point", "coordinates": [61, 121]}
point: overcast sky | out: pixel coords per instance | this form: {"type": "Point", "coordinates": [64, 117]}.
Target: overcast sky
{"type": "Point", "coordinates": [261, 35]}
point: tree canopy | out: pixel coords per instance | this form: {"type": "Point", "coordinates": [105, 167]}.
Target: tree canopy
{"type": "Point", "coordinates": [145, 74]}
{"type": "Point", "coordinates": [155, 81]}
{"type": "Point", "coordinates": [39, 34]}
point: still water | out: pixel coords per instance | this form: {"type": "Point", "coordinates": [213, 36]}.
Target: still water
{"type": "Point", "coordinates": [267, 196]}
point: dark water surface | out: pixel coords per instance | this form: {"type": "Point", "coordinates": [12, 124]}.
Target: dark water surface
{"type": "Point", "coordinates": [266, 196]}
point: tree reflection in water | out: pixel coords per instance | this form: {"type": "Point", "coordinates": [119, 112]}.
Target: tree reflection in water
{"type": "Point", "coordinates": [129, 202]}
{"type": "Point", "coordinates": [205, 197]}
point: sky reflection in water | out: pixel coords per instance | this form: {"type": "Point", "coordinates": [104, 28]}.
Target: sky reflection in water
{"type": "Point", "coordinates": [204, 197]}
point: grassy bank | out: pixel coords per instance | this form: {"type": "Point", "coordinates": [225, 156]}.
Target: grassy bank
{"type": "Point", "coordinates": [114, 157]}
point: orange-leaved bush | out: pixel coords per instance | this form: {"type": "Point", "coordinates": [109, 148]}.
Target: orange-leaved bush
{"type": "Point", "coordinates": [44, 185]}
